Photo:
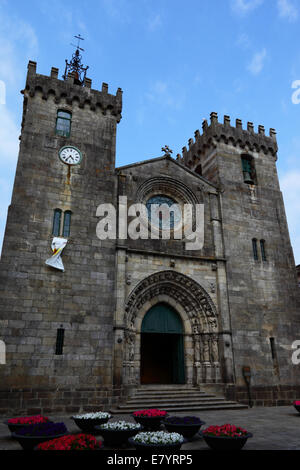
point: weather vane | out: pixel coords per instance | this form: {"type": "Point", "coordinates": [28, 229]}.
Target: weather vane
{"type": "Point", "coordinates": [75, 66]}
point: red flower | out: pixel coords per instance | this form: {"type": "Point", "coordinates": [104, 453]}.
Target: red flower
{"type": "Point", "coordinates": [29, 420]}
{"type": "Point", "coordinates": [72, 442]}
{"type": "Point", "coordinates": [296, 403]}
{"type": "Point", "coordinates": [227, 430]}
{"type": "Point", "coordinates": [150, 413]}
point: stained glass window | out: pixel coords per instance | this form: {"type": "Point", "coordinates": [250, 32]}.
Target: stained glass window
{"type": "Point", "coordinates": [159, 213]}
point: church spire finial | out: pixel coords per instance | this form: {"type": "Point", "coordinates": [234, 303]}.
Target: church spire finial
{"type": "Point", "coordinates": [75, 66]}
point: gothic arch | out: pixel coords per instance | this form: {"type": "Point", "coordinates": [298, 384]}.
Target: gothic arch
{"type": "Point", "coordinates": [194, 304]}
{"type": "Point", "coordinates": [199, 317]}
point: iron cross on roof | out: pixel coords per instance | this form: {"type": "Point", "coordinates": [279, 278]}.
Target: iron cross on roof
{"type": "Point", "coordinates": [79, 39]}
{"type": "Point", "coordinates": [167, 150]}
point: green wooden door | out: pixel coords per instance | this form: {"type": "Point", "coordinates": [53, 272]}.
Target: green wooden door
{"type": "Point", "coordinates": [163, 319]}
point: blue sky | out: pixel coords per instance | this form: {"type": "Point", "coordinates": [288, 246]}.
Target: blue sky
{"type": "Point", "coordinates": [175, 61]}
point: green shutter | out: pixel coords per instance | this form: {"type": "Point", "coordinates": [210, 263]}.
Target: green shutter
{"type": "Point", "coordinates": [246, 165]}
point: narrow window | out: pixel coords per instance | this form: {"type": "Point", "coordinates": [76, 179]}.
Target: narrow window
{"type": "Point", "coordinates": [263, 250]}
{"type": "Point", "coordinates": [248, 169]}
{"type": "Point", "coordinates": [56, 222]}
{"type": "Point", "coordinates": [273, 350]}
{"type": "Point", "coordinates": [59, 341]}
{"type": "Point", "coordinates": [63, 123]}
{"type": "Point", "coordinates": [67, 224]}
{"type": "Point", "coordinates": [254, 247]}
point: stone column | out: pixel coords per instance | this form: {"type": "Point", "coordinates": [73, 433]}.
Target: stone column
{"type": "Point", "coordinates": [225, 343]}
{"type": "Point", "coordinates": [119, 342]}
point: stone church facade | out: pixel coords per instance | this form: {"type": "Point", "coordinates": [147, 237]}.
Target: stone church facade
{"type": "Point", "coordinates": [128, 312]}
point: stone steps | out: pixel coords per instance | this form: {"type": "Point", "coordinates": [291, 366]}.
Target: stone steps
{"type": "Point", "coordinates": [174, 399]}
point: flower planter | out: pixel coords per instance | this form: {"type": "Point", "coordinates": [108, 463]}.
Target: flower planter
{"type": "Point", "coordinates": [29, 442]}
{"type": "Point", "coordinates": [183, 425]}
{"type": "Point", "coordinates": [225, 442]}
{"type": "Point", "coordinates": [297, 405]}
{"type": "Point", "coordinates": [116, 437]}
{"type": "Point", "coordinates": [88, 424]}
{"type": "Point", "coordinates": [151, 423]}
{"type": "Point", "coordinates": [14, 427]}
{"type": "Point", "coordinates": [117, 433]}
{"type": "Point", "coordinates": [155, 448]}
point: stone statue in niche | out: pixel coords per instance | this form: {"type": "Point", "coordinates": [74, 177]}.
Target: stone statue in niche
{"type": "Point", "coordinates": [214, 348]}
{"type": "Point", "coordinates": [197, 348]}
{"type": "Point", "coordinates": [206, 355]}
{"type": "Point", "coordinates": [130, 347]}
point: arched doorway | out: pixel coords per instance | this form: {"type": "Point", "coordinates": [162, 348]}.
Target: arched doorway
{"type": "Point", "coordinates": [162, 351]}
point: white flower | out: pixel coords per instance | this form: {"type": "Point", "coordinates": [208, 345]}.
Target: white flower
{"type": "Point", "coordinates": [120, 425]}
{"type": "Point", "coordinates": [158, 437]}
{"type": "Point", "coordinates": [96, 415]}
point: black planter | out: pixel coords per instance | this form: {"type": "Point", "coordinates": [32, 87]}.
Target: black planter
{"type": "Point", "coordinates": [150, 423]}
{"type": "Point", "coordinates": [116, 437]}
{"type": "Point", "coordinates": [29, 442]}
{"type": "Point", "coordinates": [226, 443]}
{"type": "Point", "coordinates": [297, 408]}
{"type": "Point", "coordinates": [15, 427]}
{"type": "Point", "coordinates": [88, 425]}
{"type": "Point", "coordinates": [186, 430]}
{"type": "Point", "coordinates": [155, 448]}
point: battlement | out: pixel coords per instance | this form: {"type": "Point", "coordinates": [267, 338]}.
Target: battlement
{"type": "Point", "coordinates": [70, 91]}
{"type": "Point", "coordinates": [235, 135]}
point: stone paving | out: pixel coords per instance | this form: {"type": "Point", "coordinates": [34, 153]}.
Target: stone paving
{"type": "Point", "coordinates": [274, 428]}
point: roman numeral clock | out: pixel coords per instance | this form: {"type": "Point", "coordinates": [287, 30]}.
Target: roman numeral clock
{"type": "Point", "coordinates": [70, 155]}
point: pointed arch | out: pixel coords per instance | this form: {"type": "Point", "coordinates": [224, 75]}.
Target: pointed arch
{"type": "Point", "coordinates": [197, 309]}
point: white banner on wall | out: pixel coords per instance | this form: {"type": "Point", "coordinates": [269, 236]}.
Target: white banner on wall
{"type": "Point", "coordinates": [57, 247]}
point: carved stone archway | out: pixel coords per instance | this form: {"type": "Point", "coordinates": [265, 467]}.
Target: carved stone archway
{"type": "Point", "coordinates": [199, 317]}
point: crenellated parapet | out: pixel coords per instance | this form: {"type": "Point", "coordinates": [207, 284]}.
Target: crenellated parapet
{"type": "Point", "coordinates": [71, 92]}
{"type": "Point", "coordinates": [217, 132]}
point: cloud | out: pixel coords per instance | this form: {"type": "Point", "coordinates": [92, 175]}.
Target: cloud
{"type": "Point", "coordinates": [257, 62]}
{"type": "Point", "coordinates": [243, 41]}
{"type": "Point", "coordinates": [287, 10]}
{"type": "Point", "coordinates": [165, 94]}
{"type": "Point", "coordinates": [243, 7]}
{"type": "Point", "coordinates": [290, 187]}
{"type": "Point", "coordinates": [154, 23]}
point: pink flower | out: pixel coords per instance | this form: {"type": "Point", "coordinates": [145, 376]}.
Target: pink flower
{"type": "Point", "coordinates": [28, 420]}
{"type": "Point", "coordinates": [150, 413]}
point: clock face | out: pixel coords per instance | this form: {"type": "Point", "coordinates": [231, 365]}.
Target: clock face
{"type": "Point", "coordinates": [70, 155]}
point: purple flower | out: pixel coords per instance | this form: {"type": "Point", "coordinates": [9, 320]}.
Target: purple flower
{"type": "Point", "coordinates": [43, 429]}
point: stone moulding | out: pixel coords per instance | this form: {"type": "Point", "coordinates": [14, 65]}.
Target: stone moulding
{"type": "Point", "coordinates": [193, 298]}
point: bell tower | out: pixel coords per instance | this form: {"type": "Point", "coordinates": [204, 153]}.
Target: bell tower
{"type": "Point", "coordinates": [57, 324]}
{"type": "Point", "coordinates": [260, 265]}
